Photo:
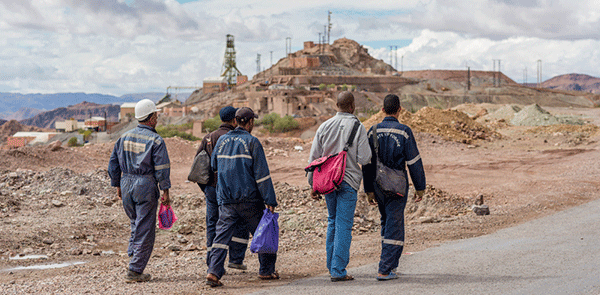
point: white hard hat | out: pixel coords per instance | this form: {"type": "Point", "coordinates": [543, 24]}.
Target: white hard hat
{"type": "Point", "coordinates": [144, 108]}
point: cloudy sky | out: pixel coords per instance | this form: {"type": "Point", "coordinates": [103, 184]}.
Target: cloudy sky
{"type": "Point", "coordinates": [132, 46]}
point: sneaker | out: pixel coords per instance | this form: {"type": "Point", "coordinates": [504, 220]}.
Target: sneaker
{"type": "Point", "coordinates": [133, 277]}
{"type": "Point", "coordinates": [237, 266]}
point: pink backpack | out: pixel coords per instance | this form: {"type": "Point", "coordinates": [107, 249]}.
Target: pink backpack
{"type": "Point", "coordinates": [328, 171]}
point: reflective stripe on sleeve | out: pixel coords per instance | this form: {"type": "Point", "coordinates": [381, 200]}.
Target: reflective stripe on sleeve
{"type": "Point", "coordinates": [239, 240]}
{"type": "Point", "coordinates": [208, 249]}
{"type": "Point", "coordinates": [234, 157]}
{"type": "Point", "coordinates": [161, 167]}
{"type": "Point", "coordinates": [263, 179]}
{"type": "Point", "coordinates": [393, 130]}
{"type": "Point", "coordinates": [411, 162]}
{"type": "Point", "coordinates": [393, 242]}
{"type": "Point", "coordinates": [140, 136]}
{"type": "Point", "coordinates": [220, 246]}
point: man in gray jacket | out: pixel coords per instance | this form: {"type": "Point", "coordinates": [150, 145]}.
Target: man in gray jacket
{"type": "Point", "coordinates": [331, 137]}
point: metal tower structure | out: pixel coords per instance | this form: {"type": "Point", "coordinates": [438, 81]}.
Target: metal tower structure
{"type": "Point", "coordinates": [229, 69]}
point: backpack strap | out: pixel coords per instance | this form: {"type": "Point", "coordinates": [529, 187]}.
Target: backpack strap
{"type": "Point", "coordinates": [375, 141]}
{"type": "Point", "coordinates": [352, 135]}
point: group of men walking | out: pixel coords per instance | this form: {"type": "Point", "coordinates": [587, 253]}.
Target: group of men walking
{"type": "Point", "coordinates": [240, 187]}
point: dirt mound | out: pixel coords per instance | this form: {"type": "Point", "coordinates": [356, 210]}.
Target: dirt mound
{"type": "Point", "coordinates": [534, 115]}
{"type": "Point", "coordinates": [452, 125]}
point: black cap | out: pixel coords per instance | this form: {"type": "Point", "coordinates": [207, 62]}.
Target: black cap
{"type": "Point", "coordinates": [244, 114]}
{"type": "Point", "coordinates": [227, 113]}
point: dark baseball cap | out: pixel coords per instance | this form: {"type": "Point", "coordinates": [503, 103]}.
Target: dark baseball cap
{"type": "Point", "coordinates": [245, 114]}
{"type": "Point", "coordinates": [227, 113]}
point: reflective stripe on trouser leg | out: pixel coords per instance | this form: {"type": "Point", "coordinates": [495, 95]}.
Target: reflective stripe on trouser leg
{"type": "Point", "coordinates": [392, 243]}
{"type": "Point", "coordinates": [140, 201]}
{"type": "Point", "coordinates": [239, 243]}
{"type": "Point", "coordinates": [224, 231]}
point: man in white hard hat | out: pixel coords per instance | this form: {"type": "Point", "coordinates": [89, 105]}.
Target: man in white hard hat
{"type": "Point", "coordinates": [138, 165]}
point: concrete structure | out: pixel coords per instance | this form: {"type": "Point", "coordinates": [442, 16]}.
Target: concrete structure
{"type": "Point", "coordinates": [305, 62]}
{"type": "Point", "coordinates": [68, 125]}
{"type": "Point", "coordinates": [241, 79]}
{"type": "Point", "coordinates": [96, 123]}
{"type": "Point", "coordinates": [127, 111]}
{"type": "Point", "coordinates": [20, 139]}
{"type": "Point", "coordinates": [285, 101]}
{"type": "Point", "coordinates": [214, 84]}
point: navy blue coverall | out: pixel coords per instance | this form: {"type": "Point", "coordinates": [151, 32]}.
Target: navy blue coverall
{"type": "Point", "coordinates": [244, 186]}
{"type": "Point", "coordinates": [239, 241]}
{"type": "Point", "coordinates": [397, 149]}
{"type": "Point", "coordinates": [139, 162]}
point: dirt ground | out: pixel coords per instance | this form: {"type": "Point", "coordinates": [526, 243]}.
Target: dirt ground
{"type": "Point", "coordinates": [59, 205]}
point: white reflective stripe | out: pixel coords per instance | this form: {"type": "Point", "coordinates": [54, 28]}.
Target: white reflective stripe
{"type": "Point", "coordinates": [161, 167]}
{"type": "Point", "coordinates": [139, 136]}
{"type": "Point", "coordinates": [220, 246]}
{"type": "Point", "coordinates": [208, 249]}
{"type": "Point", "coordinates": [393, 242]}
{"type": "Point", "coordinates": [417, 158]}
{"type": "Point", "coordinates": [134, 147]}
{"type": "Point", "coordinates": [263, 179]}
{"type": "Point", "coordinates": [239, 240]}
{"type": "Point", "coordinates": [393, 130]}
{"type": "Point", "coordinates": [234, 157]}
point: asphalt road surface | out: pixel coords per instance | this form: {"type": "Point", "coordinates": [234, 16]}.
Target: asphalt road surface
{"type": "Point", "coordinates": [557, 254]}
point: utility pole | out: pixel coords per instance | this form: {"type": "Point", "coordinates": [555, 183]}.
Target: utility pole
{"type": "Point", "coordinates": [494, 73]}
{"type": "Point", "coordinates": [257, 64]}
{"type": "Point", "coordinates": [391, 54]}
{"type": "Point", "coordinates": [396, 57]}
{"type": "Point", "coordinates": [402, 64]}
{"type": "Point", "coordinates": [271, 68]}
{"type": "Point", "coordinates": [468, 78]}
{"type": "Point", "coordinates": [499, 72]}
{"type": "Point", "coordinates": [320, 43]}
{"type": "Point", "coordinates": [328, 26]}
{"type": "Point", "coordinates": [539, 73]}
{"type": "Point", "coordinates": [288, 47]}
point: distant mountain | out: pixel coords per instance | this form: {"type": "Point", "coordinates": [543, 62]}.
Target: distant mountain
{"type": "Point", "coordinates": [13, 102]}
{"type": "Point", "coordinates": [23, 113]}
{"type": "Point", "coordinates": [2, 122]}
{"type": "Point", "coordinates": [574, 82]}
{"type": "Point", "coordinates": [79, 112]}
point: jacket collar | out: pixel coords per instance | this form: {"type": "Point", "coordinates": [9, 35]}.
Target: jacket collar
{"type": "Point", "coordinates": [344, 114]}
{"type": "Point", "coordinates": [226, 126]}
{"type": "Point", "coordinates": [240, 129]}
{"type": "Point", "coordinates": [147, 127]}
{"type": "Point", "coordinates": [390, 119]}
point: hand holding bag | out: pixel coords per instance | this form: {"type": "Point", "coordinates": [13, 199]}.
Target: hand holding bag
{"type": "Point", "coordinates": [166, 217]}
{"type": "Point", "coordinates": [390, 181]}
{"type": "Point", "coordinates": [266, 237]}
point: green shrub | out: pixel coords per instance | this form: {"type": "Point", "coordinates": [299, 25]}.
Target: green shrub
{"type": "Point", "coordinates": [269, 120]}
{"type": "Point", "coordinates": [211, 124]}
{"type": "Point", "coordinates": [172, 131]}
{"type": "Point", "coordinates": [353, 87]}
{"type": "Point", "coordinates": [72, 141]}
{"type": "Point", "coordinates": [322, 86]}
{"type": "Point", "coordinates": [285, 124]}
{"type": "Point", "coordinates": [331, 86]}
{"type": "Point", "coordinates": [344, 87]}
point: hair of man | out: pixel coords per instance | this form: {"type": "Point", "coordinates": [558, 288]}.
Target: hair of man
{"type": "Point", "coordinates": [345, 102]}
{"type": "Point", "coordinates": [391, 104]}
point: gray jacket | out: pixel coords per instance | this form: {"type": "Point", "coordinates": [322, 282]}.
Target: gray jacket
{"type": "Point", "coordinates": [331, 137]}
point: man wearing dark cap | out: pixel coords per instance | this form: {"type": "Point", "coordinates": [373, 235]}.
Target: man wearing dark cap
{"type": "Point", "coordinates": [331, 138]}
{"type": "Point", "coordinates": [239, 241]}
{"type": "Point", "coordinates": [244, 190]}
{"type": "Point", "coordinates": [397, 149]}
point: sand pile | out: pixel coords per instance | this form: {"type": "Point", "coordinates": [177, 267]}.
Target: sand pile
{"type": "Point", "coordinates": [452, 125]}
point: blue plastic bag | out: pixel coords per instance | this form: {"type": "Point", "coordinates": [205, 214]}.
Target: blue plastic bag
{"type": "Point", "coordinates": [266, 237]}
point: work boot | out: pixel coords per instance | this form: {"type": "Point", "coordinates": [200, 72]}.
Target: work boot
{"type": "Point", "coordinates": [133, 277]}
{"type": "Point", "coordinates": [237, 266]}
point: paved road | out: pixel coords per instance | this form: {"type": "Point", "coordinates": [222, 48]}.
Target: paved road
{"type": "Point", "coordinates": [557, 254]}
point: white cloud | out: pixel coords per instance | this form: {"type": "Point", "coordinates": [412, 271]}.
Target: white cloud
{"type": "Point", "coordinates": [113, 47]}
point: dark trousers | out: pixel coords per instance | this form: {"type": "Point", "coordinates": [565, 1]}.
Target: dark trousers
{"type": "Point", "coordinates": [239, 241]}
{"type": "Point", "coordinates": [229, 214]}
{"type": "Point", "coordinates": [391, 208]}
{"type": "Point", "coordinates": [140, 199]}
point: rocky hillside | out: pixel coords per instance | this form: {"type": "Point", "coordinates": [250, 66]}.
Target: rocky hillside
{"type": "Point", "coordinates": [23, 114]}
{"type": "Point", "coordinates": [79, 111]}
{"type": "Point", "coordinates": [11, 127]}
{"type": "Point", "coordinates": [574, 82]}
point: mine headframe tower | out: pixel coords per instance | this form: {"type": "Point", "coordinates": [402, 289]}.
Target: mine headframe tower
{"type": "Point", "coordinates": [229, 69]}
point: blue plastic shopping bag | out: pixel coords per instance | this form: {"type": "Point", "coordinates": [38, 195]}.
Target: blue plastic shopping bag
{"type": "Point", "coordinates": [266, 236]}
